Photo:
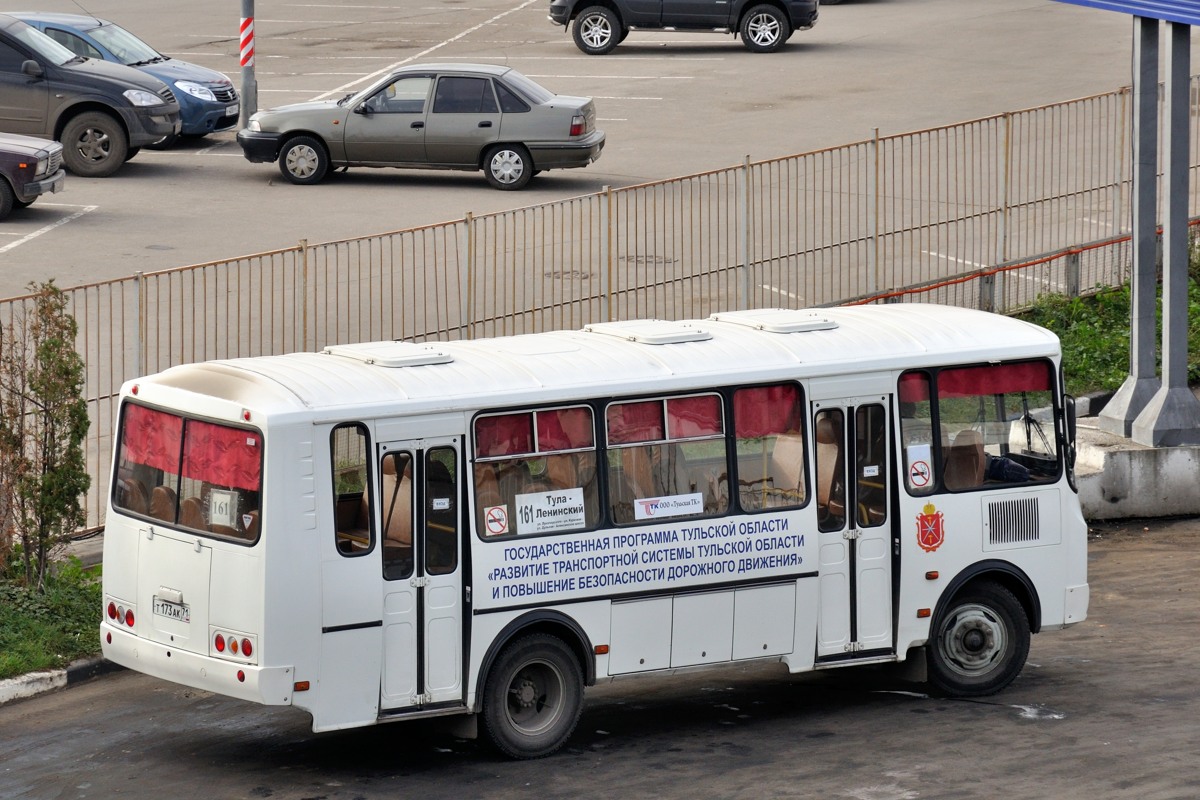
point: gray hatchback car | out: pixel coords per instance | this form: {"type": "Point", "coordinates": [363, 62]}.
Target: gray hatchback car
{"type": "Point", "coordinates": [445, 116]}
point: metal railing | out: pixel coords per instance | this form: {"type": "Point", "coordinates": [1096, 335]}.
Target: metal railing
{"type": "Point", "coordinates": [986, 213]}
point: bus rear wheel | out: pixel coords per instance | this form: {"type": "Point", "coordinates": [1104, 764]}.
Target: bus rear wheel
{"type": "Point", "coordinates": [533, 697]}
{"type": "Point", "coordinates": [978, 645]}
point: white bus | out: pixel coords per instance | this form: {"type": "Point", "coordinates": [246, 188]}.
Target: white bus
{"type": "Point", "coordinates": [386, 531]}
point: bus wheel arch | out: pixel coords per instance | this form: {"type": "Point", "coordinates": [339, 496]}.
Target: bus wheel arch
{"type": "Point", "coordinates": [979, 637]}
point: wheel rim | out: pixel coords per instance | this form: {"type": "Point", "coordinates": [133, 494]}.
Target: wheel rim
{"type": "Point", "coordinates": [973, 641]}
{"type": "Point", "coordinates": [94, 145]}
{"type": "Point", "coordinates": [302, 161]}
{"type": "Point", "coordinates": [507, 166]}
{"type": "Point", "coordinates": [535, 698]}
{"type": "Point", "coordinates": [764, 29]}
{"type": "Point", "coordinates": [595, 31]}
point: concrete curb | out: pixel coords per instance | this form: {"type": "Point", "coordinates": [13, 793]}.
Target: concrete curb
{"type": "Point", "coordinates": [36, 683]}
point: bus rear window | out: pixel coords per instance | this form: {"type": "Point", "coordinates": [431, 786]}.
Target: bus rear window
{"type": "Point", "coordinates": [201, 476]}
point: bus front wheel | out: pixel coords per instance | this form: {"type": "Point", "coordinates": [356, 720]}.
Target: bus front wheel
{"type": "Point", "coordinates": [978, 645]}
{"type": "Point", "coordinates": [533, 697]}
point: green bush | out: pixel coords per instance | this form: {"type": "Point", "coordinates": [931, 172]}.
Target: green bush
{"type": "Point", "coordinates": [50, 629]}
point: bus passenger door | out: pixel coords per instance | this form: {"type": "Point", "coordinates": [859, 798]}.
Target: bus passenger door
{"type": "Point", "coordinates": [852, 484]}
{"type": "Point", "coordinates": [422, 574]}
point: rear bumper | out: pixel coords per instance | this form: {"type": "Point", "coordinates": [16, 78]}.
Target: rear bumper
{"type": "Point", "coordinates": [567, 155]}
{"type": "Point", "coordinates": [270, 686]}
{"type": "Point", "coordinates": [258, 147]}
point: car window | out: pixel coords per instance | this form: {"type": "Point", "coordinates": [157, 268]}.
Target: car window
{"type": "Point", "coordinates": [128, 48]}
{"type": "Point", "coordinates": [456, 95]}
{"type": "Point", "coordinates": [403, 96]}
{"type": "Point", "coordinates": [73, 43]}
{"type": "Point", "coordinates": [41, 44]}
{"type": "Point", "coordinates": [10, 58]}
{"type": "Point", "coordinates": [509, 102]}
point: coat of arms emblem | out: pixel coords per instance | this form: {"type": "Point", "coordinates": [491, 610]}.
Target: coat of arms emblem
{"type": "Point", "coordinates": [930, 533]}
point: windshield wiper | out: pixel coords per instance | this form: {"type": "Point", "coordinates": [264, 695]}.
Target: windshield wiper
{"type": "Point", "coordinates": [344, 99]}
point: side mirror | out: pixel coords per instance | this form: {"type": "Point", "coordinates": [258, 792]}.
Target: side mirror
{"type": "Point", "coordinates": [31, 68]}
{"type": "Point", "coordinates": [1070, 409]}
{"type": "Point", "coordinates": [364, 109]}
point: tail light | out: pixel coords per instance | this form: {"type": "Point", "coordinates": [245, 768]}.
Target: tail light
{"type": "Point", "coordinates": [231, 646]}
{"type": "Point", "coordinates": [577, 125]}
{"type": "Point", "coordinates": [119, 613]}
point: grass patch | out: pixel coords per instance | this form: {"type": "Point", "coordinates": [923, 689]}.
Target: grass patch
{"type": "Point", "coordinates": [44, 631]}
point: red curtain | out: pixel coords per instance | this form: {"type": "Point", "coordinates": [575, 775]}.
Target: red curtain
{"type": "Point", "coordinates": [636, 422]}
{"type": "Point", "coordinates": [151, 437]}
{"type": "Point", "coordinates": [1030, 376]}
{"type": "Point", "coordinates": [221, 455]}
{"type": "Point", "coordinates": [694, 416]}
{"type": "Point", "coordinates": [914, 387]}
{"type": "Point", "coordinates": [564, 429]}
{"type": "Point", "coordinates": [766, 410]}
{"type": "Point", "coordinates": [506, 434]}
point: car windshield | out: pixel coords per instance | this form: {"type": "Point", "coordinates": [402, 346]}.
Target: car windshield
{"type": "Point", "coordinates": [129, 49]}
{"type": "Point", "coordinates": [531, 90]}
{"type": "Point", "coordinates": [42, 44]}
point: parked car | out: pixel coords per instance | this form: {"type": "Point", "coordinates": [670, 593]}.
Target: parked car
{"type": "Point", "coordinates": [101, 112]}
{"type": "Point", "coordinates": [764, 26]}
{"type": "Point", "coordinates": [208, 101]}
{"type": "Point", "coordinates": [444, 116]}
{"type": "Point", "coordinates": [29, 168]}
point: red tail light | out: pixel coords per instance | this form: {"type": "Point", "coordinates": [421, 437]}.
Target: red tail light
{"type": "Point", "coordinates": [577, 125]}
{"type": "Point", "coordinates": [247, 648]}
{"type": "Point", "coordinates": [219, 643]}
{"type": "Point", "coordinates": [129, 617]}
{"type": "Point", "coordinates": [112, 610]}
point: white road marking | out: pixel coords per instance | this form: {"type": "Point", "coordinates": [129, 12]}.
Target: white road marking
{"type": "Point", "coordinates": [82, 210]}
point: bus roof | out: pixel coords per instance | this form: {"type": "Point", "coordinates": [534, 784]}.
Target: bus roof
{"type": "Point", "coordinates": [610, 359]}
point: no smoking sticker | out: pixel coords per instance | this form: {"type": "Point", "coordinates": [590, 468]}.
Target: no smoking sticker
{"type": "Point", "coordinates": [919, 474]}
{"type": "Point", "coordinates": [495, 519]}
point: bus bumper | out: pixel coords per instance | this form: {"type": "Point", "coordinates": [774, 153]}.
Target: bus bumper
{"type": "Point", "coordinates": [270, 686]}
{"type": "Point", "coordinates": [1075, 607]}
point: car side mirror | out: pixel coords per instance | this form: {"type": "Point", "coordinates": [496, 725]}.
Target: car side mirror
{"type": "Point", "coordinates": [364, 109]}
{"type": "Point", "coordinates": [31, 68]}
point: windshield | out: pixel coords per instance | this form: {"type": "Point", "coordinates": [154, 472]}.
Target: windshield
{"type": "Point", "coordinates": [42, 44]}
{"type": "Point", "coordinates": [201, 476]}
{"type": "Point", "coordinates": [128, 49]}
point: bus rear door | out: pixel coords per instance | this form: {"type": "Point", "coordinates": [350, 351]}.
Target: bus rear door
{"type": "Point", "coordinates": [422, 574]}
{"type": "Point", "coordinates": [852, 487]}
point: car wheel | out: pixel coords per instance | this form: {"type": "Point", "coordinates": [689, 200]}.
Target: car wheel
{"type": "Point", "coordinates": [979, 644]}
{"type": "Point", "coordinates": [508, 166]}
{"type": "Point", "coordinates": [765, 29]}
{"type": "Point", "coordinates": [533, 697]}
{"type": "Point", "coordinates": [597, 30]}
{"type": "Point", "coordinates": [303, 160]}
{"type": "Point", "coordinates": [7, 199]}
{"type": "Point", "coordinates": [94, 145]}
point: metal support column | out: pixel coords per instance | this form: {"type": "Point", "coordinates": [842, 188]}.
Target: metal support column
{"type": "Point", "coordinates": [1172, 417]}
{"type": "Point", "coordinates": [249, 82]}
{"type": "Point", "coordinates": [1142, 382]}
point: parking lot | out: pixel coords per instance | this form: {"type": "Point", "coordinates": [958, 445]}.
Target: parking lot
{"type": "Point", "coordinates": [671, 104]}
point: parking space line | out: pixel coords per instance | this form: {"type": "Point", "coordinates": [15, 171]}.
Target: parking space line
{"type": "Point", "coordinates": [82, 210]}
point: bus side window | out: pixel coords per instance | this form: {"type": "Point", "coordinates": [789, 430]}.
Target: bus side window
{"type": "Point", "coordinates": [441, 511]}
{"type": "Point", "coordinates": [351, 489]}
{"type": "Point", "coordinates": [831, 486]}
{"type": "Point", "coordinates": [396, 494]}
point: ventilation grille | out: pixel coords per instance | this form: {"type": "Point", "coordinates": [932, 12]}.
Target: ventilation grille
{"type": "Point", "coordinates": [1014, 521]}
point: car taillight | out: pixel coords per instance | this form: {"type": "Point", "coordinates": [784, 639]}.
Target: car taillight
{"type": "Point", "coordinates": [219, 643]}
{"type": "Point", "coordinates": [577, 125]}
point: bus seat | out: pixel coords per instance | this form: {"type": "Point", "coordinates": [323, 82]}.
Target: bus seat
{"type": "Point", "coordinates": [787, 467]}
{"type": "Point", "coordinates": [965, 461]}
{"type": "Point", "coordinates": [397, 514]}
{"type": "Point", "coordinates": [639, 474]}
{"type": "Point", "coordinates": [562, 471]}
{"type": "Point", "coordinates": [162, 503]}
{"type": "Point", "coordinates": [136, 498]}
{"type": "Point", "coordinates": [828, 449]}
{"type": "Point", "coordinates": [191, 514]}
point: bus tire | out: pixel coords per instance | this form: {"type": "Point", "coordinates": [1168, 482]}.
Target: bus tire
{"type": "Point", "coordinates": [533, 697]}
{"type": "Point", "coordinates": [979, 643]}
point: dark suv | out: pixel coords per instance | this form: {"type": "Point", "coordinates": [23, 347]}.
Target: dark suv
{"type": "Point", "coordinates": [600, 25]}
{"type": "Point", "coordinates": [29, 168]}
{"type": "Point", "coordinates": [101, 112]}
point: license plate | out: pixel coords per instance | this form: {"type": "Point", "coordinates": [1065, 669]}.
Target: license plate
{"type": "Point", "coordinates": [180, 612]}
{"type": "Point", "coordinates": [232, 111]}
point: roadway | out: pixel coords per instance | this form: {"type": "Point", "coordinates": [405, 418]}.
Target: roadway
{"type": "Point", "coordinates": [671, 104]}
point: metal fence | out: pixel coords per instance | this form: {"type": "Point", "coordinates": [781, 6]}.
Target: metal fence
{"type": "Point", "coordinates": [987, 213]}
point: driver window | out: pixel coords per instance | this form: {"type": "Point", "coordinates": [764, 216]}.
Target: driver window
{"type": "Point", "coordinates": [73, 43]}
{"type": "Point", "coordinates": [403, 96]}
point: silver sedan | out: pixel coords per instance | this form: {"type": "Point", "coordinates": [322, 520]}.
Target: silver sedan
{"type": "Point", "coordinates": [445, 116]}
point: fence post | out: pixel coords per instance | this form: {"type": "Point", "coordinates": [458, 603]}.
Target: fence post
{"type": "Point", "coordinates": [744, 201]}
{"type": "Point", "coordinates": [987, 292]}
{"type": "Point", "coordinates": [606, 266]}
{"type": "Point", "coordinates": [303, 292]}
{"type": "Point", "coordinates": [1005, 201]}
{"type": "Point", "coordinates": [1073, 274]}
{"type": "Point", "coordinates": [873, 277]}
{"type": "Point", "coordinates": [139, 324]}
{"type": "Point", "coordinates": [466, 275]}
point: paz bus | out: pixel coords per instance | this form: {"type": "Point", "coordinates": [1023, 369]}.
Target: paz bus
{"type": "Point", "coordinates": [386, 531]}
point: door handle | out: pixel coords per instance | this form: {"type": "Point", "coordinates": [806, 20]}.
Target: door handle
{"type": "Point", "coordinates": [418, 124]}
{"type": "Point", "coordinates": [487, 123]}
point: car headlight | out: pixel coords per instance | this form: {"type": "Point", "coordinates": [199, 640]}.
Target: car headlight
{"type": "Point", "coordinates": [141, 98]}
{"type": "Point", "coordinates": [196, 90]}
{"type": "Point", "coordinates": [43, 163]}
{"type": "Point", "coordinates": [253, 125]}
